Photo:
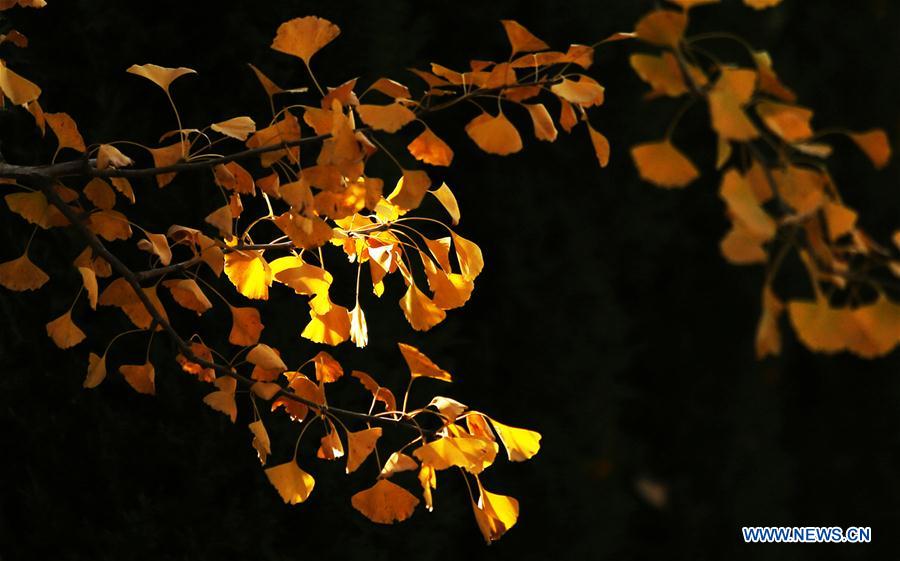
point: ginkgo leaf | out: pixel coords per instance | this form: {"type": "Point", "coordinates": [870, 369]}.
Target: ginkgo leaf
{"type": "Point", "coordinates": [222, 400]}
{"type": "Point", "coordinates": [35, 208]}
{"type": "Point", "coordinates": [741, 246]}
{"type": "Point", "coordinates": [159, 75]}
{"type": "Point", "coordinates": [268, 85]}
{"type": "Point", "coordinates": [790, 122]}
{"type": "Point", "coordinates": [428, 479]}
{"type": "Point", "coordinates": [451, 290]}
{"type": "Point", "coordinates": [100, 194]}
{"type": "Point", "coordinates": [22, 274]}
{"type": "Point", "coordinates": [601, 146]}
{"type": "Point", "coordinates": [869, 331]}
{"type": "Point", "coordinates": [762, 4]}
{"type": "Point", "coordinates": [445, 196]}
{"type": "Point", "coordinates": [123, 186]}
{"type": "Point", "coordinates": [661, 72]}
{"type": "Point", "coordinates": [360, 445]}
{"type": "Point", "coordinates": [742, 202]}
{"type": "Point", "coordinates": [359, 331]}
{"type": "Point", "coordinates": [167, 156]}
{"type": "Point", "coordinates": [330, 328]}
{"type": "Point", "coordinates": [768, 80]}
{"type": "Point", "coordinates": [265, 357]}
{"type": "Point", "coordinates": [662, 164]}
{"type": "Point", "coordinates": [391, 88]}
{"type": "Point", "coordinates": [66, 131]}
{"type": "Point", "coordinates": [110, 225]}
{"type": "Point", "coordinates": [96, 371]}
{"type": "Point", "coordinates": [521, 444]}
{"type": "Point", "coordinates": [584, 91]}
{"type": "Point", "coordinates": [201, 352]}
{"type": "Point", "coordinates": [449, 408]}
{"type": "Point", "coordinates": [157, 244]}
{"type": "Point", "coordinates": [292, 483]}
{"type": "Point", "coordinates": [727, 99]}
{"type": "Point", "coordinates": [396, 463]}
{"type": "Point", "coordinates": [544, 129]}
{"type": "Point", "coordinates": [420, 310]}
{"type": "Point", "coordinates": [495, 514]}
{"type": "Point", "coordinates": [261, 442]}
{"type": "Point", "coordinates": [388, 118]}
{"type": "Point", "coordinates": [567, 117]}
{"type": "Point", "coordinates": [768, 335]}
{"type": "Point", "coordinates": [379, 393]}
{"type": "Point", "coordinates": [421, 365]}
{"type": "Point", "coordinates": [469, 453]}
{"type": "Point", "coordinates": [429, 148]}
{"type": "Point", "coordinates": [141, 377]}
{"type": "Point", "coordinates": [803, 189]}
{"type": "Point", "coordinates": [250, 273]}
{"type": "Point", "coordinates": [237, 127]}
{"type": "Point", "coordinates": [494, 134]}
{"type": "Point", "coordinates": [304, 37]}
{"type": "Point", "coordinates": [520, 39]}
{"type": "Point", "coordinates": [331, 447]}
{"type": "Point", "coordinates": [410, 190]}
{"type": "Point", "coordinates": [89, 280]}
{"type": "Point", "coordinates": [246, 326]}
{"type": "Point", "coordinates": [19, 90]}
{"type": "Point", "coordinates": [385, 502]}
{"type": "Point", "coordinates": [64, 332]}
{"type": "Point", "coordinates": [471, 261]}
{"type": "Point", "coordinates": [839, 219]}
{"type": "Point", "coordinates": [108, 156]}
{"type": "Point", "coordinates": [875, 145]}
{"type": "Point", "coordinates": [661, 27]}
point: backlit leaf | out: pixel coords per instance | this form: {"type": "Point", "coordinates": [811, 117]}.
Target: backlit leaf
{"type": "Point", "coordinates": [495, 135]}
{"type": "Point", "coordinates": [304, 37]}
{"type": "Point", "coordinates": [292, 483]}
{"type": "Point", "coordinates": [385, 502]}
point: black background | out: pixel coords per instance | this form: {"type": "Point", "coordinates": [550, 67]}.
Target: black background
{"type": "Point", "coordinates": [605, 318]}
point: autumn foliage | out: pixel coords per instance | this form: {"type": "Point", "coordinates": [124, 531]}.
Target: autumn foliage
{"type": "Point", "coordinates": [298, 206]}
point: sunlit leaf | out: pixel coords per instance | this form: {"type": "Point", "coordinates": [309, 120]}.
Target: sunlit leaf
{"type": "Point", "coordinates": [385, 502]}
{"type": "Point", "coordinates": [292, 483]}
{"type": "Point", "coordinates": [494, 134]}
{"type": "Point", "coordinates": [304, 37]}
{"type": "Point", "coordinates": [360, 445]}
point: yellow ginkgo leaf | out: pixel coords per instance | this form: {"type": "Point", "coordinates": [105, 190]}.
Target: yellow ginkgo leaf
{"type": "Point", "coordinates": [89, 280]}
{"type": "Point", "coordinates": [875, 145]}
{"type": "Point", "coordinates": [110, 225]}
{"type": "Point", "coordinates": [790, 122]}
{"type": "Point", "coordinates": [22, 274]}
{"type": "Point", "coordinates": [410, 190]}
{"type": "Point", "coordinates": [388, 118]}
{"type": "Point", "coordinates": [741, 246]}
{"type": "Point", "coordinates": [304, 37]}
{"type": "Point", "coordinates": [331, 447]}
{"type": "Point", "coordinates": [265, 357]}
{"type": "Point", "coordinates": [664, 28]}
{"type": "Point", "coordinates": [64, 332]}
{"type": "Point", "coordinates": [495, 135]}
{"type": "Point", "coordinates": [469, 453]}
{"type": "Point", "coordinates": [664, 165]}
{"type": "Point", "coordinates": [471, 261]}
{"type": "Point", "coordinates": [521, 444]}
{"type": "Point", "coordinates": [360, 445]}
{"type": "Point", "coordinates": [66, 131]}
{"type": "Point", "coordinates": [330, 328]}
{"type": "Point", "coordinates": [261, 442]}
{"type": "Point", "coordinates": [520, 39]}
{"type": "Point", "coordinates": [396, 463]}
{"type": "Point", "coordinates": [448, 201]}
{"type": "Point", "coordinates": [601, 146]}
{"type": "Point", "coordinates": [429, 148]}
{"type": "Point", "coordinates": [35, 208]}
{"type": "Point", "coordinates": [157, 244]}
{"type": "Point", "coordinates": [359, 331]}
{"type": "Point", "coordinates": [585, 91]}
{"type": "Point", "coordinates": [661, 72]}
{"type": "Point", "coordinates": [544, 129]}
{"type": "Point", "coordinates": [420, 310]}
{"type": "Point", "coordinates": [222, 400]}
{"type": "Point", "coordinates": [237, 127]}
{"type": "Point", "coordinates": [839, 219]}
{"type": "Point", "coordinates": [727, 98]}
{"type": "Point", "coordinates": [96, 371]}
{"type": "Point", "coordinates": [383, 395]}
{"type": "Point", "coordinates": [141, 377]}
{"type": "Point", "coordinates": [428, 480]}
{"type": "Point", "coordinates": [421, 365]}
{"type": "Point", "coordinates": [742, 202]}
{"type": "Point", "coordinates": [385, 502]}
{"type": "Point", "coordinates": [108, 156]}
{"type": "Point", "coordinates": [159, 75]}
{"type": "Point", "coordinates": [100, 194]}
{"type": "Point", "coordinates": [188, 294]}
{"type": "Point", "coordinates": [292, 483]}
{"type": "Point", "coordinates": [19, 90]}
{"type": "Point", "coordinates": [495, 514]}
{"type": "Point", "coordinates": [246, 326]}
{"type": "Point", "coordinates": [250, 273]}
{"type": "Point", "coordinates": [168, 156]}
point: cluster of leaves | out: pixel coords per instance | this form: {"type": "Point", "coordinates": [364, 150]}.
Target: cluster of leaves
{"type": "Point", "coordinates": [299, 206]}
{"type": "Point", "coordinates": [778, 192]}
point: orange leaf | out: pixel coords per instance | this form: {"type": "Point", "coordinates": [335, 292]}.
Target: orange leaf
{"type": "Point", "coordinates": [410, 189]}
{"type": "Point", "coordinates": [768, 336]}
{"type": "Point", "coordinates": [544, 129]}
{"type": "Point", "coordinates": [303, 37]}
{"type": "Point", "coordinates": [495, 135]}
{"type": "Point", "coordinates": [22, 274]}
{"type": "Point", "coordinates": [495, 514]}
{"type": "Point", "coordinates": [875, 144]}
{"type": "Point", "coordinates": [249, 273]}
{"type": "Point", "coordinates": [421, 365]}
{"type": "Point", "coordinates": [521, 444]}
{"type": "Point", "coordinates": [584, 91]}
{"type": "Point", "coordinates": [246, 326]}
{"type": "Point", "coordinates": [662, 27]}
{"type": "Point", "coordinates": [388, 118]}
{"type": "Point", "coordinates": [159, 75]}
{"type": "Point", "coordinates": [141, 377]}
{"type": "Point", "coordinates": [96, 371]}
{"type": "Point", "coordinates": [222, 400]}
{"type": "Point", "coordinates": [420, 311]}
{"type": "Point", "coordinates": [64, 332]}
{"type": "Point", "coordinates": [238, 127]}
{"type": "Point", "coordinates": [601, 146]}
{"type": "Point", "coordinates": [261, 442]}
{"type": "Point", "coordinates": [66, 131]}
{"type": "Point", "coordinates": [360, 445]}
{"type": "Point", "coordinates": [429, 148]}
{"type": "Point", "coordinates": [292, 483]}
{"type": "Point", "coordinates": [19, 90]}
{"type": "Point", "coordinates": [790, 122]}
{"type": "Point", "coordinates": [385, 502]}
{"type": "Point", "coordinates": [448, 201]}
{"type": "Point", "coordinates": [663, 164]}
{"type": "Point", "coordinates": [522, 40]}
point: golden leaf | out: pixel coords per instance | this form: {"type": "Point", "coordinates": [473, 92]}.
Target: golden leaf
{"type": "Point", "coordinates": [428, 148]}
{"type": "Point", "coordinates": [790, 122]}
{"type": "Point", "coordinates": [64, 332]}
{"type": "Point", "coordinates": [421, 365]}
{"type": "Point", "coordinates": [521, 444]}
{"type": "Point", "coordinates": [396, 463]}
{"type": "Point", "coordinates": [388, 118]}
{"type": "Point", "coordinates": [469, 453]}
{"type": "Point", "coordinates": [385, 502]}
{"type": "Point", "coordinates": [768, 336]}
{"type": "Point", "coordinates": [19, 90]}
{"type": "Point", "coordinates": [420, 311]}
{"type": "Point", "coordinates": [265, 357]}
{"type": "Point", "coordinates": [108, 156]}
{"type": "Point", "coordinates": [261, 442]}
{"type": "Point", "coordinates": [141, 377]}
{"type": "Point", "coordinates": [100, 194]}
{"type": "Point", "coordinates": [601, 146]}
{"type": "Point", "coordinates": [22, 274]}
{"type": "Point", "coordinates": [360, 445]}
{"type": "Point", "coordinates": [222, 400]}
{"type": "Point", "coordinates": [66, 131]}
{"type": "Point", "coordinates": [34, 208]}
{"type": "Point", "coordinates": [585, 91]}
{"type": "Point", "coordinates": [495, 135]}
{"type": "Point", "coordinates": [839, 219]}
{"type": "Point", "coordinates": [445, 196]}
{"type": "Point", "coordinates": [159, 75]}
{"type": "Point", "coordinates": [237, 127]}
{"type": "Point", "coordinates": [410, 190]}
{"type": "Point", "coordinates": [96, 371]}
{"type": "Point", "coordinates": [471, 261]}
{"type": "Point", "coordinates": [304, 37]}
{"type": "Point", "coordinates": [428, 480]}
{"type": "Point", "coordinates": [359, 331]}
{"type": "Point", "coordinates": [662, 27]}
{"type": "Point", "coordinates": [292, 483]}
{"type": "Point", "coordinates": [157, 244]}
{"type": "Point", "coordinates": [327, 368]}
{"type": "Point", "coordinates": [383, 395]}
{"type": "Point", "coordinates": [727, 99]}
{"type": "Point", "coordinates": [167, 156]}
{"type": "Point", "coordinates": [520, 39]}
{"type": "Point", "coordinates": [544, 129]}
{"type": "Point", "coordinates": [249, 273]}
{"type": "Point", "coordinates": [662, 164]}
{"type": "Point", "coordinates": [110, 225]}
{"type": "Point", "coordinates": [246, 326]}
{"type": "Point", "coordinates": [742, 203]}
{"type": "Point", "coordinates": [495, 514]}
{"type": "Point", "coordinates": [875, 145]}
{"type": "Point", "coordinates": [761, 4]}
{"type": "Point", "coordinates": [89, 280]}
{"type": "Point", "coordinates": [330, 328]}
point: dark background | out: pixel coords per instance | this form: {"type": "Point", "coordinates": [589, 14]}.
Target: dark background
{"type": "Point", "coordinates": [605, 318]}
